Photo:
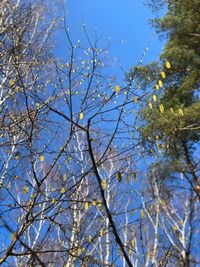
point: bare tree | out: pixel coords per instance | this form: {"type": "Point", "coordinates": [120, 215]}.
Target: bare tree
{"type": "Point", "coordinates": [74, 184]}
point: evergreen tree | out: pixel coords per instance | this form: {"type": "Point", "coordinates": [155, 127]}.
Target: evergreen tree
{"type": "Point", "coordinates": [171, 119]}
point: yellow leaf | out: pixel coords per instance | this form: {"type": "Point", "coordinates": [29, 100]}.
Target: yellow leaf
{"type": "Point", "coordinates": [133, 242]}
{"type": "Point", "coordinates": [180, 112]}
{"type": "Point", "coordinates": [167, 145]}
{"type": "Point", "coordinates": [135, 100]}
{"type": "Point", "coordinates": [149, 254]}
{"type": "Point", "coordinates": [17, 89]}
{"type": "Point", "coordinates": [167, 64]}
{"type": "Point", "coordinates": [118, 176]}
{"type": "Point", "coordinates": [117, 88]}
{"type": "Point", "coordinates": [181, 221]}
{"type": "Point", "coordinates": [13, 237]}
{"type": "Point", "coordinates": [161, 107]}
{"type": "Point", "coordinates": [163, 75]}
{"type": "Point", "coordinates": [158, 146]}
{"type": "Point", "coordinates": [86, 205]}
{"type": "Point", "coordinates": [65, 177]}
{"type": "Point", "coordinates": [9, 185]}
{"type": "Point", "coordinates": [94, 202]}
{"type": "Point", "coordinates": [81, 116]}
{"type": "Point", "coordinates": [26, 189]}
{"type": "Point", "coordinates": [172, 110]}
{"type": "Point", "coordinates": [16, 157]}
{"type": "Point", "coordinates": [104, 184]}
{"type": "Point", "coordinates": [101, 232]}
{"type": "Point", "coordinates": [37, 105]}
{"type": "Point", "coordinates": [79, 251]}
{"type": "Point", "coordinates": [142, 214]}
{"type": "Point", "coordinates": [11, 82]}
{"type": "Point", "coordinates": [154, 98]}
{"type": "Point", "coordinates": [89, 238]}
{"type": "Point", "coordinates": [42, 158]}
{"type": "Point", "coordinates": [160, 83]}
{"type": "Point", "coordinates": [150, 105]}
{"type": "Point", "coordinates": [130, 252]}
{"type": "Point", "coordinates": [157, 87]}
{"type": "Point", "coordinates": [62, 191]}
{"type": "Point", "coordinates": [100, 205]}
{"type": "Point", "coordinates": [53, 201]}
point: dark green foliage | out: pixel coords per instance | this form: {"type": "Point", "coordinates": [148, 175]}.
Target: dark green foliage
{"type": "Point", "coordinates": [176, 130]}
{"type": "Point", "coordinates": [181, 24]}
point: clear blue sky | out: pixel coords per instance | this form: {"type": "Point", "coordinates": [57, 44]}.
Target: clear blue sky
{"type": "Point", "coordinates": [120, 20]}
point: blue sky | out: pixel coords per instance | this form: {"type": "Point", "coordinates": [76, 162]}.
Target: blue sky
{"type": "Point", "coordinates": [119, 20]}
